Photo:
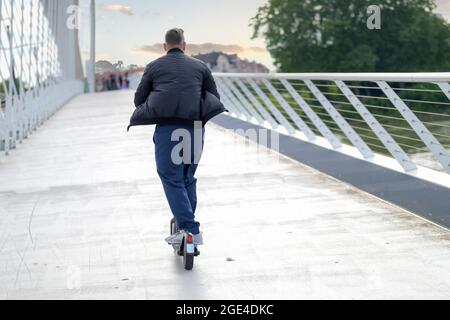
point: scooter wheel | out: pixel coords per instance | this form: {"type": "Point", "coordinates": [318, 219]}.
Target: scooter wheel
{"type": "Point", "coordinates": [188, 258]}
{"type": "Point", "coordinates": [188, 261]}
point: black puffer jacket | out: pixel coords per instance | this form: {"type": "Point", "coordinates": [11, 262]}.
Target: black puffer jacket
{"type": "Point", "coordinates": [176, 88]}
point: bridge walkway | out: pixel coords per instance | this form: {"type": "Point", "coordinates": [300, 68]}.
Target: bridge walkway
{"type": "Point", "coordinates": [83, 215]}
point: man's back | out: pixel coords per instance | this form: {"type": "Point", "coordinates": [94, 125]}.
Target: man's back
{"type": "Point", "coordinates": [172, 87]}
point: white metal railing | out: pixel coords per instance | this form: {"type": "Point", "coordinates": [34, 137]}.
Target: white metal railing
{"type": "Point", "coordinates": [40, 65]}
{"type": "Point", "coordinates": [399, 116]}
{"type": "Point", "coordinates": [24, 115]}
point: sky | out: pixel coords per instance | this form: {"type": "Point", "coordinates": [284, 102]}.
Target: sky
{"type": "Point", "coordinates": [132, 30]}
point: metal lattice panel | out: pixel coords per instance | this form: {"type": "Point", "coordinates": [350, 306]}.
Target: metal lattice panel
{"type": "Point", "coordinates": [397, 124]}
{"type": "Point", "coordinates": [40, 65]}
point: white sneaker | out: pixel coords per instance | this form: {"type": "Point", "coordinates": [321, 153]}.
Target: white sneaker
{"type": "Point", "coordinates": [198, 239]}
{"type": "Point", "coordinates": [176, 238]}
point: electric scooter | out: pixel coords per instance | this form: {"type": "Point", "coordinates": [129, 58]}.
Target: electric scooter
{"type": "Point", "coordinates": [186, 249]}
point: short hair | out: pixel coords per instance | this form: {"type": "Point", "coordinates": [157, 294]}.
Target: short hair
{"type": "Point", "coordinates": [175, 37]}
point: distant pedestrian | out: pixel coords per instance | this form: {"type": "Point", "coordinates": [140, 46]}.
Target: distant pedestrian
{"type": "Point", "coordinates": [104, 84]}
{"type": "Point", "coordinates": [127, 81]}
{"type": "Point", "coordinates": [114, 82]}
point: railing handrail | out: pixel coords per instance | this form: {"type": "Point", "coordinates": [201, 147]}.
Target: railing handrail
{"type": "Point", "coordinates": [390, 77]}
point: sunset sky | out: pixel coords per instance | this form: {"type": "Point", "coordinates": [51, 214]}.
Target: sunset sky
{"type": "Point", "coordinates": [131, 30]}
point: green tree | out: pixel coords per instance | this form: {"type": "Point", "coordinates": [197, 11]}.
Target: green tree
{"type": "Point", "coordinates": [332, 36]}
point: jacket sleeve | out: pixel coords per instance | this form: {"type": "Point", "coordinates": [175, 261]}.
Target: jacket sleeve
{"type": "Point", "coordinates": [209, 84]}
{"type": "Point", "coordinates": [144, 88]}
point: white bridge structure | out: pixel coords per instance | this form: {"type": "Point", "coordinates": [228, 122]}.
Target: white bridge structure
{"type": "Point", "coordinates": [40, 65]}
{"type": "Point", "coordinates": [296, 104]}
{"type": "Point", "coordinates": [349, 199]}
{"type": "Point", "coordinates": [397, 124]}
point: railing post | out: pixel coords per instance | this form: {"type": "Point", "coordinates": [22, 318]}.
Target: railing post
{"type": "Point", "coordinates": [419, 128]}
{"type": "Point", "coordinates": [273, 109]}
{"type": "Point", "coordinates": [242, 111]}
{"type": "Point", "coordinates": [294, 116]}
{"type": "Point", "coordinates": [228, 103]}
{"type": "Point", "coordinates": [266, 115]}
{"type": "Point", "coordinates": [445, 87]}
{"type": "Point", "coordinates": [245, 103]}
{"type": "Point", "coordinates": [390, 144]}
{"type": "Point", "coordinates": [320, 125]}
{"type": "Point", "coordinates": [91, 69]}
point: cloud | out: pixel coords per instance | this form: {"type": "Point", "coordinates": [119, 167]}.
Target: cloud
{"type": "Point", "coordinates": [443, 7]}
{"type": "Point", "coordinates": [258, 49]}
{"type": "Point", "coordinates": [98, 55]}
{"type": "Point", "coordinates": [118, 8]}
{"type": "Point", "coordinates": [168, 17]}
{"type": "Point", "coordinates": [148, 13]}
{"type": "Point", "coordinates": [157, 49]}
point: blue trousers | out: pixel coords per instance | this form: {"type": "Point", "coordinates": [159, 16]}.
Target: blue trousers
{"type": "Point", "coordinates": [178, 150]}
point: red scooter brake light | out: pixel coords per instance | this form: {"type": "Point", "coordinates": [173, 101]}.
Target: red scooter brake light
{"type": "Point", "coordinates": [190, 239]}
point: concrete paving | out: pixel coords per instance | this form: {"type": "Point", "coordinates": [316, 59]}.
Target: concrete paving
{"type": "Point", "coordinates": [83, 216]}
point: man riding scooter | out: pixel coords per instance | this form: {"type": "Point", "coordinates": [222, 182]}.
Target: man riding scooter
{"type": "Point", "coordinates": [178, 94]}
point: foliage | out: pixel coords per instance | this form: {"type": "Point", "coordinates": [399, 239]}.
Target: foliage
{"type": "Point", "coordinates": [332, 36]}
